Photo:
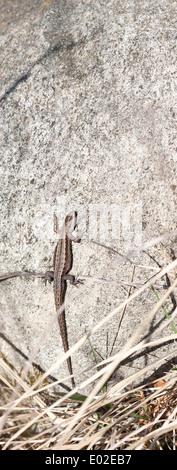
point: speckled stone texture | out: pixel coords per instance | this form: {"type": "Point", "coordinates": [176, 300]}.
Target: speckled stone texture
{"type": "Point", "coordinates": [88, 122]}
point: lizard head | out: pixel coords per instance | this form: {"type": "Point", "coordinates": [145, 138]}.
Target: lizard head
{"type": "Point", "coordinates": [71, 222]}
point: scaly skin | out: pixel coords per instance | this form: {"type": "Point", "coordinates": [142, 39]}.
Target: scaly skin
{"type": "Point", "coordinates": [62, 266]}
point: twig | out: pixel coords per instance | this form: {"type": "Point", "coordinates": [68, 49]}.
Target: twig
{"type": "Point", "coordinates": [122, 314]}
{"type": "Point", "coordinates": [48, 275]}
{"type": "Point", "coordinates": [120, 283]}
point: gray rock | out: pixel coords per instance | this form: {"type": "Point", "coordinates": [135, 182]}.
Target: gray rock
{"type": "Point", "coordinates": [88, 109]}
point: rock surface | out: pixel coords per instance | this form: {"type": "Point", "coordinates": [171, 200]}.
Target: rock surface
{"type": "Point", "coordinates": [88, 122]}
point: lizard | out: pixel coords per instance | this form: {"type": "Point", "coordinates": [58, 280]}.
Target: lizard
{"type": "Point", "coordinates": [62, 266]}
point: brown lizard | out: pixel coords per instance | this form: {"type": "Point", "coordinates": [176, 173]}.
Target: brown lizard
{"type": "Point", "coordinates": [62, 266]}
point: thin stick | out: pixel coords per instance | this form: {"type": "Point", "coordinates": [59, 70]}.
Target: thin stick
{"type": "Point", "coordinates": [122, 314]}
{"type": "Point", "coordinates": [48, 275]}
{"type": "Point", "coordinates": [119, 283]}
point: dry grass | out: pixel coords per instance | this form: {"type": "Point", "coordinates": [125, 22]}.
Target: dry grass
{"type": "Point", "coordinates": [123, 416]}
